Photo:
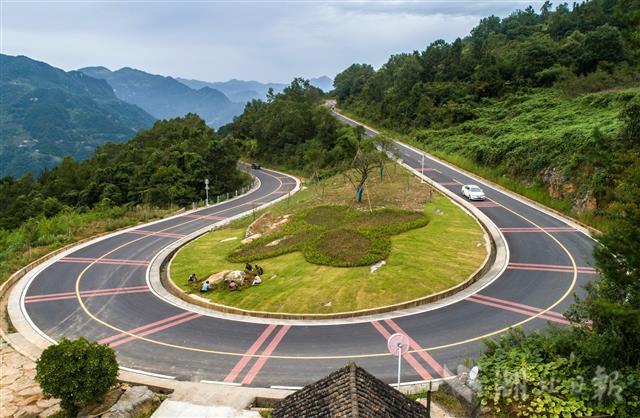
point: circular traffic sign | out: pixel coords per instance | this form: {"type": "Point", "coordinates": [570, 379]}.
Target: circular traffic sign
{"type": "Point", "coordinates": [398, 344]}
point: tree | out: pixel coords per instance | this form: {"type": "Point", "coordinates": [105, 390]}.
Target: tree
{"type": "Point", "coordinates": [30, 231]}
{"type": "Point", "coordinates": [602, 44]}
{"type": "Point", "coordinates": [77, 372]}
{"type": "Point", "coordinates": [351, 81]}
{"type": "Point", "coordinates": [368, 157]}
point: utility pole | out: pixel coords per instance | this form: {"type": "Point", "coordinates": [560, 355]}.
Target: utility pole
{"type": "Point", "coordinates": [206, 191]}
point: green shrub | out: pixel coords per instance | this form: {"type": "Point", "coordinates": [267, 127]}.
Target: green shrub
{"type": "Point", "coordinates": [77, 372]}
{"type": "Point", "coordinates": [348, 248]}
{"type": "Point", "coordinates": [334, 235]}
{"type": "Point", "coordinates": [544, 375]}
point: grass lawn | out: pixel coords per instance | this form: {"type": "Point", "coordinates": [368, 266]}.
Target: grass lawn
{"type": "Point", "coordinates": [422, 261]}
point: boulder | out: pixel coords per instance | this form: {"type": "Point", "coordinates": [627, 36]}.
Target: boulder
{"type": "Point", "coordinates": [217, 277]}
{"type": "Point", "coordinates": [135, 401]}
{"type": "Point", "coordinates": [237, 276]}
{"type": "Point", "coordinates": [250, 238]}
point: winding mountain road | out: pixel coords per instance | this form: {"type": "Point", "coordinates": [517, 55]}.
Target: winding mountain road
{"type": "Point", "coordinates": [101, 291]}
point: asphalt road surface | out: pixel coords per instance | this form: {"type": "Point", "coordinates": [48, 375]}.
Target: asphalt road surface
{"type": "Point", "coordinates": [549, 261]}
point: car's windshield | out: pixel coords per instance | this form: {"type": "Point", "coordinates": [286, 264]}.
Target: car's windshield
{"type": "Point", "coordinates": [474, 189]}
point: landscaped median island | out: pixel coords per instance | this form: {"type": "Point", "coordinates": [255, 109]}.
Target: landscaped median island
{"type": "Point", "coordinates": [317, 249]}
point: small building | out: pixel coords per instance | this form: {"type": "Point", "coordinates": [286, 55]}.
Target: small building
{"type": "Point", "coordinates": [348, 392]}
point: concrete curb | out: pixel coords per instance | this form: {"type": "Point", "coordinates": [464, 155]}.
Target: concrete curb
{"type": "Point", "coordinates": [492, 267]}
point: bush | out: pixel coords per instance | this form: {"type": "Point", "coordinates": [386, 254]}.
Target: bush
{"type": "Point", "coordinates": [348, 248]}
{"type": "Point", "coordinates": [77, 372]}
{"type": "Point", "coordinates": [334, 235]}
{"type": "Point", "coordinates": [547, 375]}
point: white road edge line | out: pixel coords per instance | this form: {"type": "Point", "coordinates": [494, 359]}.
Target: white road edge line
{"type": "Point", "coordinates": [217, 382]}
{"type": "Point", "coordinates": [286, 387]}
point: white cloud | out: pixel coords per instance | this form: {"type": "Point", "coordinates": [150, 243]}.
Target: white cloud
{"type": "Point", "coordinates": [268, 41]}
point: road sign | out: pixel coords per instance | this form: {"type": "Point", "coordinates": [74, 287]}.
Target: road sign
{"type": "Point", "coordinates": [398, 345]}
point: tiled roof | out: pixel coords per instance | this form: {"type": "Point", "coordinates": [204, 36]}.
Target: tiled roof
{"type": "Point", "coordinates": [348, 392]}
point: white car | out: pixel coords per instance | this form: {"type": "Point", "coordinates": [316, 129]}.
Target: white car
{"type": "Point", "coordinates": [473, 192]}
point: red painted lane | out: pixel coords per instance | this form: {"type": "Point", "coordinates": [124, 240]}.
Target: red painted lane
{"type": "Point", "coordinates": [518, 305]}
{"type": "Point", "coordinates": [409, 358]}
{"type": "Point", "coordinates": [550, 267]}
{"type": "Point", "coordinates": [157, 329]}
{"type": "Point", "coordinates": [103, 261]}
{"type": "Point", "coordinates": [242, 363]}
{"type": "Point", "coordinates": [257, 366]}
{"type": "Point", "coordinates": [437, 367]}
{"type": "Point", "coordinates": [143, 327]}
{"type": "Point", "coordinates": [516, 310]}
{"type": "Point", "coordinates": [485, 204]}
{"type": "Point", "coordinates": [87, 293]}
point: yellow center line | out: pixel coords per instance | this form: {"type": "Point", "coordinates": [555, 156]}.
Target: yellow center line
{"type": "Point", "coordinates": [337, 357]}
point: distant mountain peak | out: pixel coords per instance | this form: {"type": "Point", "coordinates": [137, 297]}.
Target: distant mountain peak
{"type": "Point", "coordinates": [49, 113]}
{"type": "Point", "coordinates": [165, 97]}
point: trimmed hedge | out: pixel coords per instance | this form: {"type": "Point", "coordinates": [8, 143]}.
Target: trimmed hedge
{"type": "Point", "coordinates": [334, 235]}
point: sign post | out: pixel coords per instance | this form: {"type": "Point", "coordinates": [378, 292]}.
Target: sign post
{"type": "Point", "coordinates": [206, 191]}
{"type": "Point", "coordinates": [398, 345]}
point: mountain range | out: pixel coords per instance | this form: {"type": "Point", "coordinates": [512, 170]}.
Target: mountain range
{"type": "Point", "coordinates": [243, 91]}
{"type": "Point", "coordinates": [47, 113]}
{"type": "Point", "coordinates": [165, 97]}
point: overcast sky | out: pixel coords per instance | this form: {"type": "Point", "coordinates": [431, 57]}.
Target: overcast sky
{"type": "Point", "coordinates": [217, 41]}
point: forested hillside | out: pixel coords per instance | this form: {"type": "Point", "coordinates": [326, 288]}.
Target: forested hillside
{"type": "Point", "coordinates": [165, 165]}
{"type": "Point", "coordinates": [292, 130]}
{"type": "Point", "coordinates": [526, 98]}
{"type": "Point", "coordinates": [47, 113]}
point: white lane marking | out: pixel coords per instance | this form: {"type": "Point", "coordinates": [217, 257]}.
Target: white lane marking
{"type": "Point", "coordinates": [217, 382]}
{"type": "Point", "coordinates": [286, 387]}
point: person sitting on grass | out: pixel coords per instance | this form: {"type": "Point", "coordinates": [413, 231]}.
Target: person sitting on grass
{"type": "Point", "coordinates": [205, 286]}
{"type": "Point", "coordinates": [256, 281]}
{"type": "Point", "coordinates": [248, 267]}
{"type": "Point", "coordinates": [192, 277]}
{"type": "Point", "coordinates": [259, 270]}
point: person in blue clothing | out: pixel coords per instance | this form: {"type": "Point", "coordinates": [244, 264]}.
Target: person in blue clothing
{"type": "Point", "coordinates": [205, 286]}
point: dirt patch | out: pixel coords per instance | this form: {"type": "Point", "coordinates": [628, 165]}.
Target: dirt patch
{"type": "Point", "coordinates": [326, 216]}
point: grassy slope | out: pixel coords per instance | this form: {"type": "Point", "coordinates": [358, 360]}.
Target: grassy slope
{"type": "Point", "coordinates": [422, 261]}
{"type": "Point", "coordinates": [513, 139]}
{"type": "Point", "coordinates": [64, 229]}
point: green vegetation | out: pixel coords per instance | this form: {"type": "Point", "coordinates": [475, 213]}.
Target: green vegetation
{"type": "Point", "coordinates": [77, 372]}
{"type": "Point", "coordinates": [163, 166]}
{"type": "Point", "coordinates": [422, 261]}
{"type": "Point", "coordinates": [529, 101]}
{"type": "Point", "coordinates": [333, 236]}
{"type": "Point", "coordinates": [39, 236]}
{"type": "Point", "coordinates": [445, 400]}
{"type": "Point", "coordinates": [293, 131]}
{"type": "Point", "coordinates": [593, 367]}
{"type": "Point", "coordinates": [47, 113]}
{"type": "Point", "coordinates": [541, 145]}
{"type": "Point", "coordinates": [121, 185]}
